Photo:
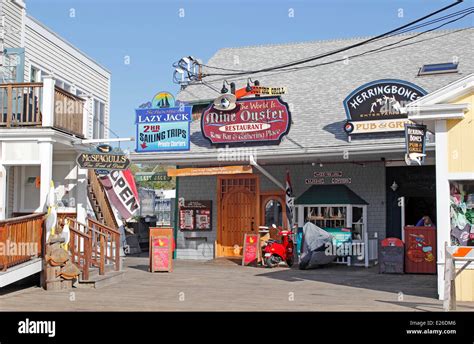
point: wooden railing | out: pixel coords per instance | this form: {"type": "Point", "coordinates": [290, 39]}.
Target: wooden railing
{"type": "Point", "coordinates": [68, 112]}
{"type": "Point", "coordinates": [21, 239]}
{"type": "Point", "coordinates": [20, 104]}
{"type": "Point", "coordinates": [105, 245]}
{"type": "Point", "coordinates": [80, 246]}
{"type": "Point", "coordinates": [102, 200]}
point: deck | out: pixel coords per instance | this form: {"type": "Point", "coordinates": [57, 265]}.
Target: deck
{"type": "Point", "coordinates": [224, 285]}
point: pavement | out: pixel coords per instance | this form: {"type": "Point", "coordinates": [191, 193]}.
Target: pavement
{"type": "Point", "coordinates": [224, 285]}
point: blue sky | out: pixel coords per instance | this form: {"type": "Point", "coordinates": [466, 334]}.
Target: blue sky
{"type": "Point", "coordinates": [153, 35]}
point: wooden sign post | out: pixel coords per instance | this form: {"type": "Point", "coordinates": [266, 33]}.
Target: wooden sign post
{"type": "Point", "coordinates": [251, 251]}
{"type": "Point", "coordinates": [161, 249]}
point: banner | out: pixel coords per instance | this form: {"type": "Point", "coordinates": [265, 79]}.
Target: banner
{"type": "Point", "coordinates": [289, 200]}
{"type": "Point", "coordinates": [122, 192]}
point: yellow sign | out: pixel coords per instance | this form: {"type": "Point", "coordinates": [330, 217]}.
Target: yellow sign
{"type": "Point", "coordinates": [377, 126]}
{"type": "Point", "coordinates": [208, 171]}
{"type": "Point", "coordinates": [268, 91]}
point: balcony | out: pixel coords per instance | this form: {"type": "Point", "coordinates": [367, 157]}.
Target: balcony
{"type": "Point", "coordinates": [28, 105]}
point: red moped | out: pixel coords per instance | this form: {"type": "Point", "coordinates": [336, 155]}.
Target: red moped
{"type": "Point", "coordinates": [275, 252]}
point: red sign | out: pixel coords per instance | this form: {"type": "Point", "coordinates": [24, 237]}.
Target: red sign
{"type": "Point", "coordinates": [265, 119]}
{"type": "Point", "coordinates": [251, 249]}
{"type": "Point", "coordinates": [161, 249]}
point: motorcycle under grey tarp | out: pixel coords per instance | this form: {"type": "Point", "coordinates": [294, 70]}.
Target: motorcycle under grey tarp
{"type": "Point", "coordinates": [313, 251]}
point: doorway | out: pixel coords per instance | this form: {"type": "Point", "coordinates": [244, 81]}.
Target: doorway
{"type": "Point", "coordinates": [238, 198]}
{"type": "Point", "coordinates": [418, 186]}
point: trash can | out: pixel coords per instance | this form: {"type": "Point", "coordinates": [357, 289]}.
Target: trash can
{"type": "Point", "coordinates": [420, 250]}
{"type": "Point", "coordinates": [391, 254]}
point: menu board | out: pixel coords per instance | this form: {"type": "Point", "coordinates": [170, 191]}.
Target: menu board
{"type": "Point", "coordinates": [251, 249]}
{"type": "Point", "coordinates": [196, 216]}
{"type": "Point", "coordinates": [161, 249]}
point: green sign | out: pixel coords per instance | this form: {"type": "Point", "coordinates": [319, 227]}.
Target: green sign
{"type": "Point", "coordinates": [152, 177]}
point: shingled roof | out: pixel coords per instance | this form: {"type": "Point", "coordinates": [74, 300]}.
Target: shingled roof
{"type": "Point", "coordinates": [315, 95]}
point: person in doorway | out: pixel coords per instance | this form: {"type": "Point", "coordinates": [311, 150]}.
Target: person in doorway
{"type": "Point", "coordinates": [425, 221]}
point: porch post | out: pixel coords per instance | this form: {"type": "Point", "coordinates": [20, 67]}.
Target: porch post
{"type": "Point", "coordinates": [3, 192]}
{"type": "Point", "coordinates": [443, 227]}
{"type": "Point", "coordinates": [47, 109]}
{"type": "Point", "coordinates": [81, 194]}
{"type": "Point", "coordinates": [46, 170]}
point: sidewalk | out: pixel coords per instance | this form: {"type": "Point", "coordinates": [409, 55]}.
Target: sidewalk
{"type": "Point", "coordinates": [225, 285]}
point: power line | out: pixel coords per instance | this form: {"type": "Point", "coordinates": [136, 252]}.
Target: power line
{"type": "Point", "coordinates": [454, 14]}
{"type": "Point", "coordinates": [320, 56]}
{"type": "Point", "coordinates": [369, 52]}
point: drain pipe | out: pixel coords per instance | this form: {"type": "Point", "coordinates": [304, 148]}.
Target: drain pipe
{"type": "Point", "coordinates": [265, 173]}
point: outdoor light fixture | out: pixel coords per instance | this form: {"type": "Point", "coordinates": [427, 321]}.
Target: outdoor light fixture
{"type": "Point", "coordinates": [224, 89]}
{"type": "Point", "coordinates": [249, 88]}
{"type": "Point", "coordinates": [394, 186]}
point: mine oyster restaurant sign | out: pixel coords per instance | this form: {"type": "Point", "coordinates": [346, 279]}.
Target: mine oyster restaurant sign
{"type": "Point", "coordinates": [162, 126]}
{"type": "Point", "coordinates": [255, 120]}
{"type": "Point", "coordinates": [378, 106]}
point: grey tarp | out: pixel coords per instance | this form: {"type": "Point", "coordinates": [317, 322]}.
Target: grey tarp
{"type": "Point", "coordinates": [313, 250]}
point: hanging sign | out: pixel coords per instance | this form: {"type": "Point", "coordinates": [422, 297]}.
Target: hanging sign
{"type": "Point", "coordinates": [160, 126]}
{"type": "Point", "coordinates": [103, 158]}
{"type": "Point", "coordinates": [256, 120]}
{"type": "Point", "coordinates": [378, 106]}
{"type": "Point", "coordinates": [415, 139]}
{"type": "Point", "coordinates": [250, 255]}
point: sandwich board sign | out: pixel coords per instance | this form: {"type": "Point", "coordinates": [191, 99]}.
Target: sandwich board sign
{"type": "Point", "coordinates": [251, 250]}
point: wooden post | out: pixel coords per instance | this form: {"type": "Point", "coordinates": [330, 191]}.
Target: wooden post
{"type": "Point", "coordinates": [117, 252]}
{"type": "Point", "coordinates": [102, 255]}
{"type": "Point", "coordinates": [449, 302]}
{"type": "Point", "coordinates": [9, 106]}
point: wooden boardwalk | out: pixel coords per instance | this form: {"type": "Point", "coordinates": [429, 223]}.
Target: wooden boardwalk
{"type": "Point", "coordinates": [224, 285]}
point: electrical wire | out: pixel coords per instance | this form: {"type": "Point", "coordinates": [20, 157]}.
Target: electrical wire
{"type": "Point", "coordinates": [384, 48]}
{"type": "Point", "coordinates": [458, 13]}
{"type": "Point", "coordinates": [306, 60]}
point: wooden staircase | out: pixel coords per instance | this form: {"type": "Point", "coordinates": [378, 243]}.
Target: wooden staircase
{"type": "Point", "coordinates": [95, 250]}
{"type": "Point", "coordinates": [100, 203]}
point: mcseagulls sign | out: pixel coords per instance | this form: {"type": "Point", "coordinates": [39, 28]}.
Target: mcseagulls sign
{"type": "Point", "coordinates": [256, 120]}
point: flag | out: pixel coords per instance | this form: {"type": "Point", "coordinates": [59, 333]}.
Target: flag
{"type": "Point", "coordinates": [121, 192]}
{"type": "Point", "coordinates": [289, 200]}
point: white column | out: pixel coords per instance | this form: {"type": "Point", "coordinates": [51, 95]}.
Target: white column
{"type": "Point", "coordinates": [85, 116]}
{"type": "Point", "coordinates": [3, 192]}
{"type": "Point", "coordinates": [81, 195]}
{"type": "Point", "coordinates": [47, 109]}
{"type": "Point", "coordinates": [46, 170]}
{"type": "Point", "coordinates": [443, 225]}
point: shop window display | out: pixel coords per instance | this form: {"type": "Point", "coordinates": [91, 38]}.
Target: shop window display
{"type": "Point", "coordinates": [462, 213]}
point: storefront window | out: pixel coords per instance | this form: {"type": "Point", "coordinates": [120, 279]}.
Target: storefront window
{"type": "Point", "coordinates": [326, 217]}
{"type": "Point", "coordinates": [462, 213]}
{"type": "Point", "coordinates": [357, 223]}
{"type": "Point", "coordinates": [273, 213]}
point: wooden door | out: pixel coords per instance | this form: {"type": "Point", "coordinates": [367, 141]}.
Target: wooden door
{"type": "Point", "coordinates": [239, 202]}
